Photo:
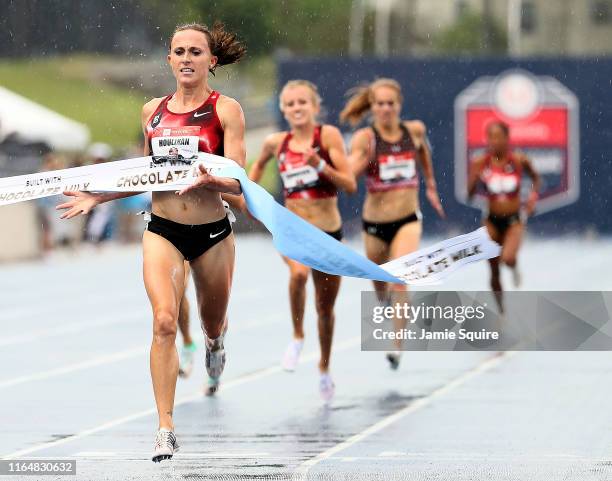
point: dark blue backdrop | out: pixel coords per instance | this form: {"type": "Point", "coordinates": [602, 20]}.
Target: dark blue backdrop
{"type": "Point", "coordinates": [430, 88]}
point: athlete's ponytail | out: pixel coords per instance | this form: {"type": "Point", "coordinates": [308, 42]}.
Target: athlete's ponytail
{"type": "Point", "coordinates": [357, 106]}
{"type": "Point", "coordinates": [223, 44]}
{"type": "Point", "coordinates": [361, 98]}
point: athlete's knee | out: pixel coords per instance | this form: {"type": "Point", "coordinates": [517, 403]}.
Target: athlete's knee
{"type": "Point", "coordinates": [213, 326]}
{"type": "Point", "coordinates": [325, 315]}
{"type": "Point", "coordinates": [164, 325]}
{"type": "Point", "coordinates": [299, 277]}
{"type": "Point", "coordinates": [325, 309]}
{"type": "Point", "coordinates": [509, 259]}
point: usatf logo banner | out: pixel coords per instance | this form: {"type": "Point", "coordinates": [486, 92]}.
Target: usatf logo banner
{"type": "Point", "coordinates": [543, 118]}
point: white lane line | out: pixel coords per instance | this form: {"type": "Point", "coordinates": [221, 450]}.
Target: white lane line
{"type": "Point", "coordinates": [107, 320]}
{"type": "Point", "coordinates": [107, 359]}
{"type": "Point", "coordinates": [97, 454]}
{"type": "Point", "coordinates": [226, 455]}
{"type": "Point", "coordinates": [79, 366]}
{"type": "Point", "coordinates": [302, 470]}
{"type": "Point", "coordinates": [393, 454]}
{"type": "Point", "coordinates": [63, 304]}
{"type": "Point", "coordinates": [338, 347]}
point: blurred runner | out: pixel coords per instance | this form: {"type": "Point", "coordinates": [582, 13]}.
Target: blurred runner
{"type": "Point", "coordinates": [387, 152]}
{"type": "Point", "coordinates": [499, 171]}
{"type": "Point", "coordinates": [313, 166]}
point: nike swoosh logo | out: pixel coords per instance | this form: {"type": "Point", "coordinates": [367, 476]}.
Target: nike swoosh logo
{"type": "Point", "coordinates": [212, 236]}
{"type": "Point", "coordinates": [198, 114]}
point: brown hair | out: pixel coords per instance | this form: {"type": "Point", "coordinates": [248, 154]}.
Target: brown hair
{"type": "Point", "coordinates": [223, 44]}
{"type": "Point", "coordinates": [361, 98]}
{"type": "Point", "coordinates": [316, 98]}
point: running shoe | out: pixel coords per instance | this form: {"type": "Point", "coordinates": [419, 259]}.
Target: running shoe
{"type": "Point", "coordinates": [327, 388]}
{"type": "Point", "coordinates": [165, 445]}
{"type": "Point", "coordinates": [212, 386]}
{"type": "Point", "coordinates": [186, 360]}
{"type": "Point", "coordinates": [215, 355]}
{"type": "Point", "coordinates": [394, 359]}
{"type": "Point", "coordinates": [292, 355]}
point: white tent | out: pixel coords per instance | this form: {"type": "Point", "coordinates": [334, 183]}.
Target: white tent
{"type": "Point", "coordinates": [36, 123]}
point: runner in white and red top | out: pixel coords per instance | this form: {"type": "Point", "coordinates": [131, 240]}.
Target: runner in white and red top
{"type": "Point", "coordinates": [388, 152]}
{"type": "Point", "coordinates": [499, 171]}
{"type": "Point", "coordinates": [313, 166]}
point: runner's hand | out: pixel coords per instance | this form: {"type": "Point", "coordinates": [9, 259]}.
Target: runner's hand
{"type": "Point", "coordinates": [230, 186]}
{"type": "Point", "coordinates": [82, 203]}
{"type": "Point", "coordinates": [312, 157]}
{"type": "Point", "coordinates": [434, 200]}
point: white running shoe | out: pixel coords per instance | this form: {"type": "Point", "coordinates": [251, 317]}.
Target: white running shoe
{"type": "Point", "coordinates": [292, 355]}
{"type": "Point", "coordinates": [394, 359]}
{"type": "Point", "coordinates": [327, 388]}
{"type": "Point", "coordinates": [165, 445]}
{"type": "Point", "coordinates": [186, 360]}
{"type": "Point", "coordinates": [215, 355]}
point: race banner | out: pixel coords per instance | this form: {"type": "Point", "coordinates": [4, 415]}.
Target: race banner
{"type": "Point", "coordinates": [292, 235]}
{"type": "Point", "coordinates": [543, 118]}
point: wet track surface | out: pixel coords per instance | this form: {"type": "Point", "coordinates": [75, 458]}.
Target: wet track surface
{"type": "Point", "coordinates": [75, 384]}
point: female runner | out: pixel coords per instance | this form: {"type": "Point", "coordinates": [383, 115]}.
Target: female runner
{"type": "Point", "coordinates": [313, 166]}
{"type": "Point", "coordinates": [193, 225]}
{"type": "Point", "coordinates": [387, 152]}
{"type": "Point", "coordinates": [500, 170]}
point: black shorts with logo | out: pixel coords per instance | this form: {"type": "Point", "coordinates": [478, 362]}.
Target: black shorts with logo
{"type": "Point", "coordinates": [386, 231]}
{"type": "Point", "coordinates": [191, 240]}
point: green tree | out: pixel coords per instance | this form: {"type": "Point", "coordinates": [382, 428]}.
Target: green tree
{"type": "Point", "coordinates": [472, 35]}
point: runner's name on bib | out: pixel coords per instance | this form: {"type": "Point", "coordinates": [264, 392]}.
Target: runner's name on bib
{"type": "Point", "coordinates": [297, 177]}
{"type": "Point", "coordinates": [175, 141]}
{"type": "Point", "coordinates": [396, 167]}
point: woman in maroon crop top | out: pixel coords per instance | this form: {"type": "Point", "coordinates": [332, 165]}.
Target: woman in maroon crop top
{"type": "Point", "coordinates": [313, 166]}
{"type": "Point", "coordinates": [389, 152]}
{"type": "Point", "coordinates": [191, 226]}
{"type": "Point", "coordinates": [499, 171]}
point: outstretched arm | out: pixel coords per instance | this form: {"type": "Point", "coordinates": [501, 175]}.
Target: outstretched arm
{"type": "Point", "coordinates": [536, 183]}
{"type": "Point", "coordinates": [418, 132]}
{"type": "Point", "coordinates": [340, 173]}
{"type": "Point", "coordinates": [360, 152]}
{"type": "Point", "coordinates": [83, 202]}
{"type": "Point", "coordinates": [268, 151]}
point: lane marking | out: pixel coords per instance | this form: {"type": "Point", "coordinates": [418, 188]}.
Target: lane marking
{"type": "Point", "coordinates": [338, 347]}
{"type": "Point", "coordinates": [79, 366]}
{"type": "Point", "coordinates": [74, 327]}
{"type": "Point", "coordinates": [106, 359]}
{"type": "Point", "coordinates": [303, 469]}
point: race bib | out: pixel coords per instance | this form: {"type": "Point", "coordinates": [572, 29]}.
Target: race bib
{"type": "Point", "coordinates": [179, 142]}
{"type": "Point", "coordinates": [396, 166]}
{"type": "Point", "coordinates": [295, 178]}
{"type": "Point", "coordinates": [502, 184]}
